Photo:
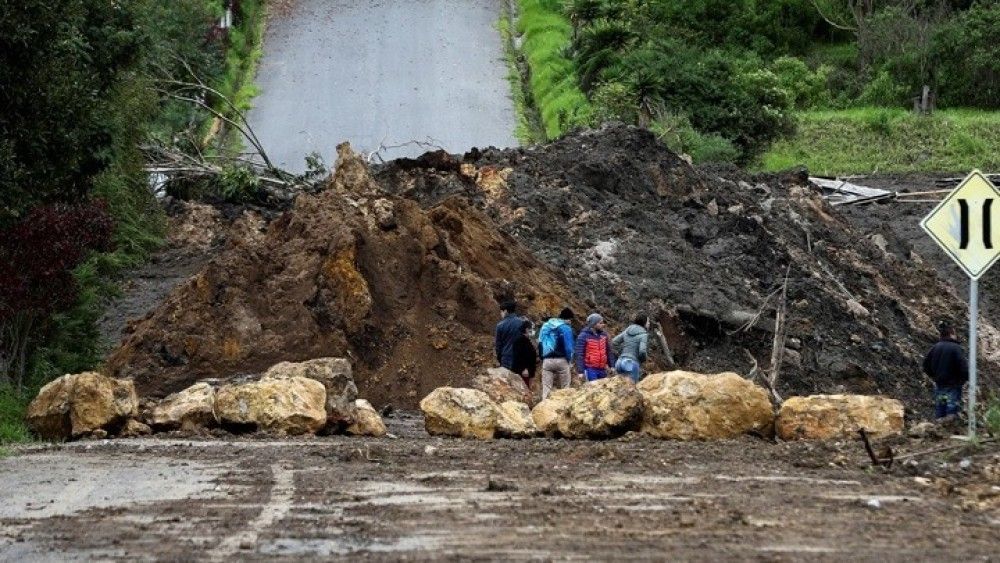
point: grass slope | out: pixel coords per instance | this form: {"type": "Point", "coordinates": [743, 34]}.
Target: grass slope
{"type": "Point", "coordinates": [867, 140]}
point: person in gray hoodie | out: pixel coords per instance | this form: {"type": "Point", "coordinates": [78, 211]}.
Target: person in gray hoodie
{"type": "Point", "coordinates": [633, 343]}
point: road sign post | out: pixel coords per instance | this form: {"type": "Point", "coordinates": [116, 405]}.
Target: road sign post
{"type": "Point", "coordinates": [962, 225]}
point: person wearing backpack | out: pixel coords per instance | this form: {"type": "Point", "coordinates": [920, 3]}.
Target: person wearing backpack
{"type": "Point", "coordinates": [593, 349]}
{"type": "Point", "coordinates": [633, 343]}
{"type": "Point", "coordinates": [555, 346]}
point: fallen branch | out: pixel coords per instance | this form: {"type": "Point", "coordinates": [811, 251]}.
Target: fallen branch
{"type": "Point", "coordinates": [666, 348]}
{"type": "Point", "coordinates": [884, 460]}
{"type": "Point", "coordinates": [778, 344]}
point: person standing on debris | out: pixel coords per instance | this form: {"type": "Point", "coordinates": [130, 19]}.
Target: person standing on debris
{"type": "Point", "coordinates": [593, 349]}
{"type": "Point", "coordinates": [555, 344]}
{"type": "Point", "coordinates": [633, 342]}
{"type": "Point", "coordinates": [525, 357]}
{"type": "Point", "coordinates": [507, 332]}
{"type": "Point", "coordinates": [947, 366]}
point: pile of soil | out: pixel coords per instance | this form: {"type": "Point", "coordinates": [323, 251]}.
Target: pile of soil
{"type": "Point", "coordinates": [401, 274]}
{"type": "Point", "coordinates": [635, 228]}
{"type": "Point", "coordinates": [408, 294]}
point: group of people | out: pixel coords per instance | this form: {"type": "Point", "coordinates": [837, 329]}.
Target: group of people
{"type": "Point", "coordinates": [592, 353]}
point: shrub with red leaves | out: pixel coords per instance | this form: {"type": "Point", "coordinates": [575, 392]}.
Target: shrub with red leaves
{"type": "Point", "coordinates": [39, 252]}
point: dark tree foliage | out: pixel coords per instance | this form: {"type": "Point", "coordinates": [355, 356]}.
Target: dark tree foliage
{"type": "Point", "coordinates": [39, 252]}
{"type": "Point", "coordinates": [60, 62]}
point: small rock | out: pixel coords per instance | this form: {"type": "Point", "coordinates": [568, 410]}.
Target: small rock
{"type": "Point", "coordinates": [794, 343]}
{"type": "Point", "coordinates": [874, 503]}
{"type": "Point", "coordinates": [712, 208]}
{"type": "Point", "coordinates": [430, 450]}
{"type": "Point", "coordinates": [965, 463]}
{"type": "Point", "coordinates": [857, 309]}
{"type": "Point", "coordinates": [736, 209]}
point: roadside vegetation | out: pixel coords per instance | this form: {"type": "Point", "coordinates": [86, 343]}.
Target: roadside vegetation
{"type": "Point", "coordinates": [865, 140]}
{"type": "Point", "coordinates": [726, 81]}
{"type": "Point", "coordinates": [90, 86]}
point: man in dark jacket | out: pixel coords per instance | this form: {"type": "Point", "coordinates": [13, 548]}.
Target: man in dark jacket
{"type": "Point", "coordinates": [507, 332]}
{"type": "Point", "coordinates": [947, 366]}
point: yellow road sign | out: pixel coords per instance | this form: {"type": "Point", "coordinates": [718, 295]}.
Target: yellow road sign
{"type": "Point", "coordinates": [967, 224]}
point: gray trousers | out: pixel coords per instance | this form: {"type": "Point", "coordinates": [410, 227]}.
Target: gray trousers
{"type": "Point", "coordinates": [555, 372]}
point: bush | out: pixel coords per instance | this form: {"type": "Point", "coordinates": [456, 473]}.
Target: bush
{"type": "Point", "coordinates": [885, 92]}
{"type": "Point", "coordinates": [12, 407]}
{"type": "Point", "coordinates": [680, 136]}
{"type": "Point", "coordinates": [615, 101]}
{"type": "Point", "coordinates": [991, 417]}
{"type": "Point", "coordinates": [966, 57]}
{"type": "Point", "coordinates": [806, 89]}
{"type": "Point", "coordinates": [37, 257]}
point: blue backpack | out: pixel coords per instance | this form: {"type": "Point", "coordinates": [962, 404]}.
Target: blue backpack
{"type": "Point", "coordinates": [548, 338]}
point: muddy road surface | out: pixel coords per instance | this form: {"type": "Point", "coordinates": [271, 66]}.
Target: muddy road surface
{"type": "Point", "coordinates": [418, 498]}
{"type": "Point", "coordinates": [382, 73]}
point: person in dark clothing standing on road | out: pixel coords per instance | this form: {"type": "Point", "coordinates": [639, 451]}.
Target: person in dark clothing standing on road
{"type": "Point", "coordinates": [507, 332]}
{"type": "Point", "coordinates": [947, 366]}
{"type": "Point", "coordinates": [525, 357]}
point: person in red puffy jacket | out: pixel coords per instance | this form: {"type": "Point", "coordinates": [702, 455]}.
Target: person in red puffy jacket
{"type": "Point", "coordinates": [593, 349]}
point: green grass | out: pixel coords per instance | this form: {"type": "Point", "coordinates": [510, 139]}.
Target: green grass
{"type": "Point", "coordinates": [12, 427]}
{"type": "Point", "coordinates": [870, 140]}
{"type": "Point", "coordinates": [528, 130]}
{"type": "Point", "coordinates": [553, 84]}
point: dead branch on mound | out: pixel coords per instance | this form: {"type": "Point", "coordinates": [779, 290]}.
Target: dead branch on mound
{"type": "Point", "coordinates": [428, 143]}
{"type": "Point", "coordinates": [778, 344]}
{"type": "Point", "coordinates": [883, 459]}
{"type": "Point", "coordinates": [666, 347]}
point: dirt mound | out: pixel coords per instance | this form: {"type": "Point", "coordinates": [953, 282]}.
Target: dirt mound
{"type": "Point", "coordinates": [408, 294]}
{"type": "Point", "coordinates": [635, 228]}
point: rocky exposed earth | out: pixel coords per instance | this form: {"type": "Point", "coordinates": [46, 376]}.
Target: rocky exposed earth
{"type": "Point", "coordinates": [400, 272]}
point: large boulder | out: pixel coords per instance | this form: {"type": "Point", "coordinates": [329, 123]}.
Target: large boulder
{"type": "Point", "coordinates": [546, 413]}
{"type": "Point", "coordinates": [79, 404]}
{"type": "Point", "coordinates": [822, 417]}
{"type": "Point", "coordinates": [367, 421]}
{"type": "Point", "coordinates": [682, 405]}
{"type": "Point", "coordinates": [503, 385]}
{"type": "Point", "coordinates": [191, 408]}
{"type": "Point", "coordinates": [605, 408]}
{"type": "Point", "coordinates": [514, 421]}
{"type": "Point", "coordinates": [336, 376]}
{"type": "Point", "coordinates": [293, 405]}
{"type": "Point", "coordinates": [465, 413]}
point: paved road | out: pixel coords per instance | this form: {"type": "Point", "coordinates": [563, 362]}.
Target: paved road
{"type": "Point", "coordinates": [382, 72]}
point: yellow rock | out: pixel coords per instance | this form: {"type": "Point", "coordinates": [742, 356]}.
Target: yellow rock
{"type": "Point", "coordinates": [503, 385]}
{"type": "Point", "coordinates": [823, 417]}
{"type": "Point", "coordinates": [514, 421]}
{"type": "Point", "coordinates": [605, 408]}
{"type": "Point", "coordinates": [336, 376]}
{"type": "Point", "coordinates": [684, 405]}
{"type": "Point", "coordinates": [79, 404]}
{"type": "Point", "coordinates": [466, 413]}
{"type": "Point", "coordinates": [546, 413]}
{"type": "Point", "coordinates": [192, 407]}
{"type": "Point", "coordinates": [294, 405]}
{"type": "Point", "coordinates": [367, 421]}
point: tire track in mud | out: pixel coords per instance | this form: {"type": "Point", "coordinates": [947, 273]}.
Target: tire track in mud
{"type": "Point", "coordinates": [278, 506]}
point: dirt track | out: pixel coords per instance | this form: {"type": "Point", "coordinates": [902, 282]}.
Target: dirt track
{"type": "Point", "coordinates": [376, 72]}
{"type": "Point", "coordinates": [418, 497]}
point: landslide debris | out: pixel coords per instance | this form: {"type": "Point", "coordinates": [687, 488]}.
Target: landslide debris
{"type": "Point", "coordinates": [407, 294]}
{"type": "Point", "coordinates": [400, 273]}
{"type": "Point", "coordinates": [635, 228]}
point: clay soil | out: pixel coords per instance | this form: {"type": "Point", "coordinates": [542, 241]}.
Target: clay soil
{"type": "Point", "coordinates": [419, 498]}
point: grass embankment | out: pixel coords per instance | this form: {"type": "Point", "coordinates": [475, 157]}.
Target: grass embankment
{"type": "Point", "coordinates": [868, 140]}
{"type": "Point", "coordinates": [244, 49]}
{"type": "Point", "coordinates": [553, 85]}
{"type": "Point", "coordinates": [528, 130]}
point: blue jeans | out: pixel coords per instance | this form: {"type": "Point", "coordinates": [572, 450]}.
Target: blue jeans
{"type": "Point", "coordinates": [947, 401]}
{"type": "Point", "coordinates": [593, 374]}
{"type": "Point", "coordinates": [630, 367]}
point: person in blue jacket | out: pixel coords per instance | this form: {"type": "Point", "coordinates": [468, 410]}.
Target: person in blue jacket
{"type": "Point", "coordinates": [555, 346]}
{"type": "Point", "coordinates": [507, 332]}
